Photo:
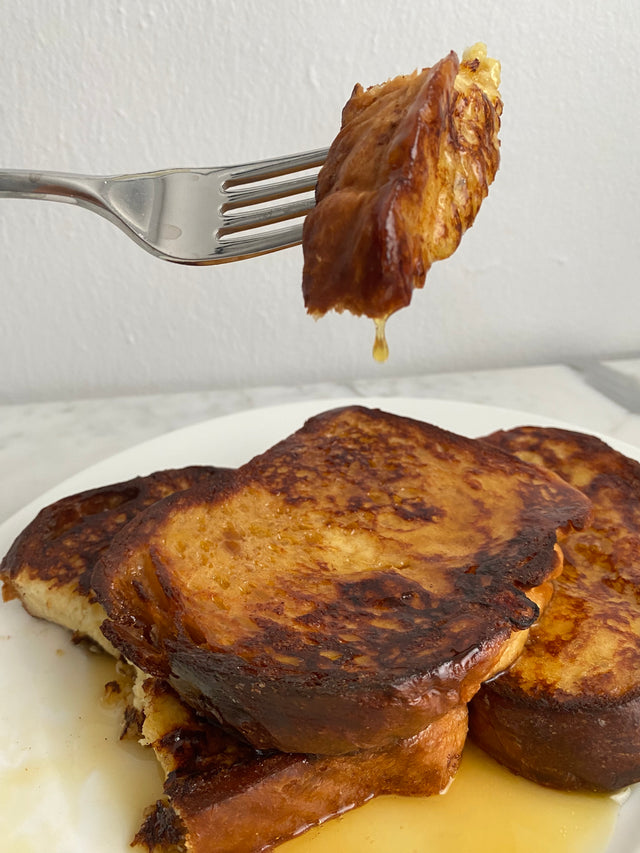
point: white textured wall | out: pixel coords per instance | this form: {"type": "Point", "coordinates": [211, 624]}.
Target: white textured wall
{"type": "Point", "coordinates": [550, 270]}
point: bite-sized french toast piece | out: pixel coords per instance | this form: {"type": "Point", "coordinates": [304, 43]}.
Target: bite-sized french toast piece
{"type": "Point", "coordinates": [403, 180]}
{"type": "Point", "coordinates": [223, 796]}
{"type": "Point", "coordinates": [49, 565]}
{"type": "Point", "coordinates": [567, 713]}
{"type": "Point", "coordinates": [347, 588]}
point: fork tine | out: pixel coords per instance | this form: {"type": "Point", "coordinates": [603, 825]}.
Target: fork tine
{"type": "Point", "coordinates": [246, 172]}
{"type": "Point", "coordinates": [236, 248]}
{"type": "Point", "coordinates": [191, 216]}
{"type": "Point", "coordinates": [237, 221]}
{"type": "Point", "coordinates": [263, 192]}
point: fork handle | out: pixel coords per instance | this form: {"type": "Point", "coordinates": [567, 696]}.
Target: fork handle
{"type": "Point", "coordinates": [52, 186]}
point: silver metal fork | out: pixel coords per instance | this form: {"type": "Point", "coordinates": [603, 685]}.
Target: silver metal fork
{"type": "Point", "coordinates": [191, 216]}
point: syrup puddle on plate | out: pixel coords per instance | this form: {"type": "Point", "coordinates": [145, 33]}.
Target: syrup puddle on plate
{"type": "Point", "coordinates": [486, 810]}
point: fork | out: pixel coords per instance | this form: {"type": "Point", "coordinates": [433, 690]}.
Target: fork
{"type": "Point", "coordinates": [190, 216]}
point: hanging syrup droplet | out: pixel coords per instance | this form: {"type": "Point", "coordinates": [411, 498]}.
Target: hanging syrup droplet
{"type": "Point", "coordinates": [380, 346]}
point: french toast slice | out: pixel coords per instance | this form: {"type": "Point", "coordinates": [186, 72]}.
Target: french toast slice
{"type": "Point", "coordinates": [403, 180]}
{"type": "Point", "coordinates": [224, 796]}
{"type": "Point", "coordinates": [49, 565]}
{"type": "Point", "coordinates": [221, 795]}
{"type": "Point", "coordinates": [567, 713]}
{"type": "Point", "coordinates": [346, 588]}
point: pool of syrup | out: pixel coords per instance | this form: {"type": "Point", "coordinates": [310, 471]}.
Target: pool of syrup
{"type": "Point", "coordinates": [485, 810]}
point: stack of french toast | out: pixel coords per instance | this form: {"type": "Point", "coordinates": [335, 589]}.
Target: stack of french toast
{"type": "Point", "coordinates": [327, 622]}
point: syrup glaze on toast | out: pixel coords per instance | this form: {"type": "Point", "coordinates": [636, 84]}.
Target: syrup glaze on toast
{"type": "Point", "coordinates": [567, 714]}
{"type": "Point", "coordinates": [346, 588]}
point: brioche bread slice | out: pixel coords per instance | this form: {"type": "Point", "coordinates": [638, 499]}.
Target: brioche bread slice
{"type": "Point", "coordinates": [49, 565]}
{"type": "Point", "coordinates": [221, 795]}
{"type": "Point", "coordinates": [344, 589]}
{"type": "Point", "coordinates": [567, 714]}
{"type": "Point", "coordinates": [224, 796]}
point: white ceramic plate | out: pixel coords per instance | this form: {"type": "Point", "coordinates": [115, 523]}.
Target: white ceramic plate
{"type": "Point", "coordinates": [57, 758]}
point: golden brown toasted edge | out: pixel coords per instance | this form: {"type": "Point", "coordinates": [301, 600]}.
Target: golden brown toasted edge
{"type": "Point", "coordinates": [328, 703]}
{"type": "Point", "coordinates": [222, 796]}
{"type": "Point", "coordinates": [403, 180]}
{"type": "Point", "coordinates": [567, 714]}
{"type": "Point", "coordinates": [49, 564]}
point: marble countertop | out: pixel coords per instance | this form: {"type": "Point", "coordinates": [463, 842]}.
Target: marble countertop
{"type": "Point", "coordinates": [42, 444]}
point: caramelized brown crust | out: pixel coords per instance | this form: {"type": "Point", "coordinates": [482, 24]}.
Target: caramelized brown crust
{"type": "Point", "coordinates": [350, 586]}
{"type": "Point", "coordinates": [226, 797]}
{"type": "Point", "coordinates": [567, 714]}
{"type": "Point", "coordinates": [403, 180]}
{"type": "Point", "coordinates": [65, 539]}
{"type": "Point", "coordinates": [49, 565]}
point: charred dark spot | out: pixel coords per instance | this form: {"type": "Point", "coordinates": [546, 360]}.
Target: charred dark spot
{"type": "Point", "coordinates": [131, 724]}
{"type": "Point", "coordinates": [384, 590]}
{"type": "Point", "coordinates": [98, 502]}
{"type": "Point", "coordinates": [162, 830]}
{"type": "Point", "coordinates": [140, 590]}
{"type": "Point", "coordinates": [417, 510]}
{"type": "Point", "coordinates": [185, 746]}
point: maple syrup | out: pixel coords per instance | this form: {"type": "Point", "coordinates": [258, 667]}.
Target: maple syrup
{"type": "Point", "coordinates": [485, 810]}
{"type": "Point", "coordinates": [380, 346]}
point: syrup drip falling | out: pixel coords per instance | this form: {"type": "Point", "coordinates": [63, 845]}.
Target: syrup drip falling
{"type": "Point", "coordinates": [380, 346]}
